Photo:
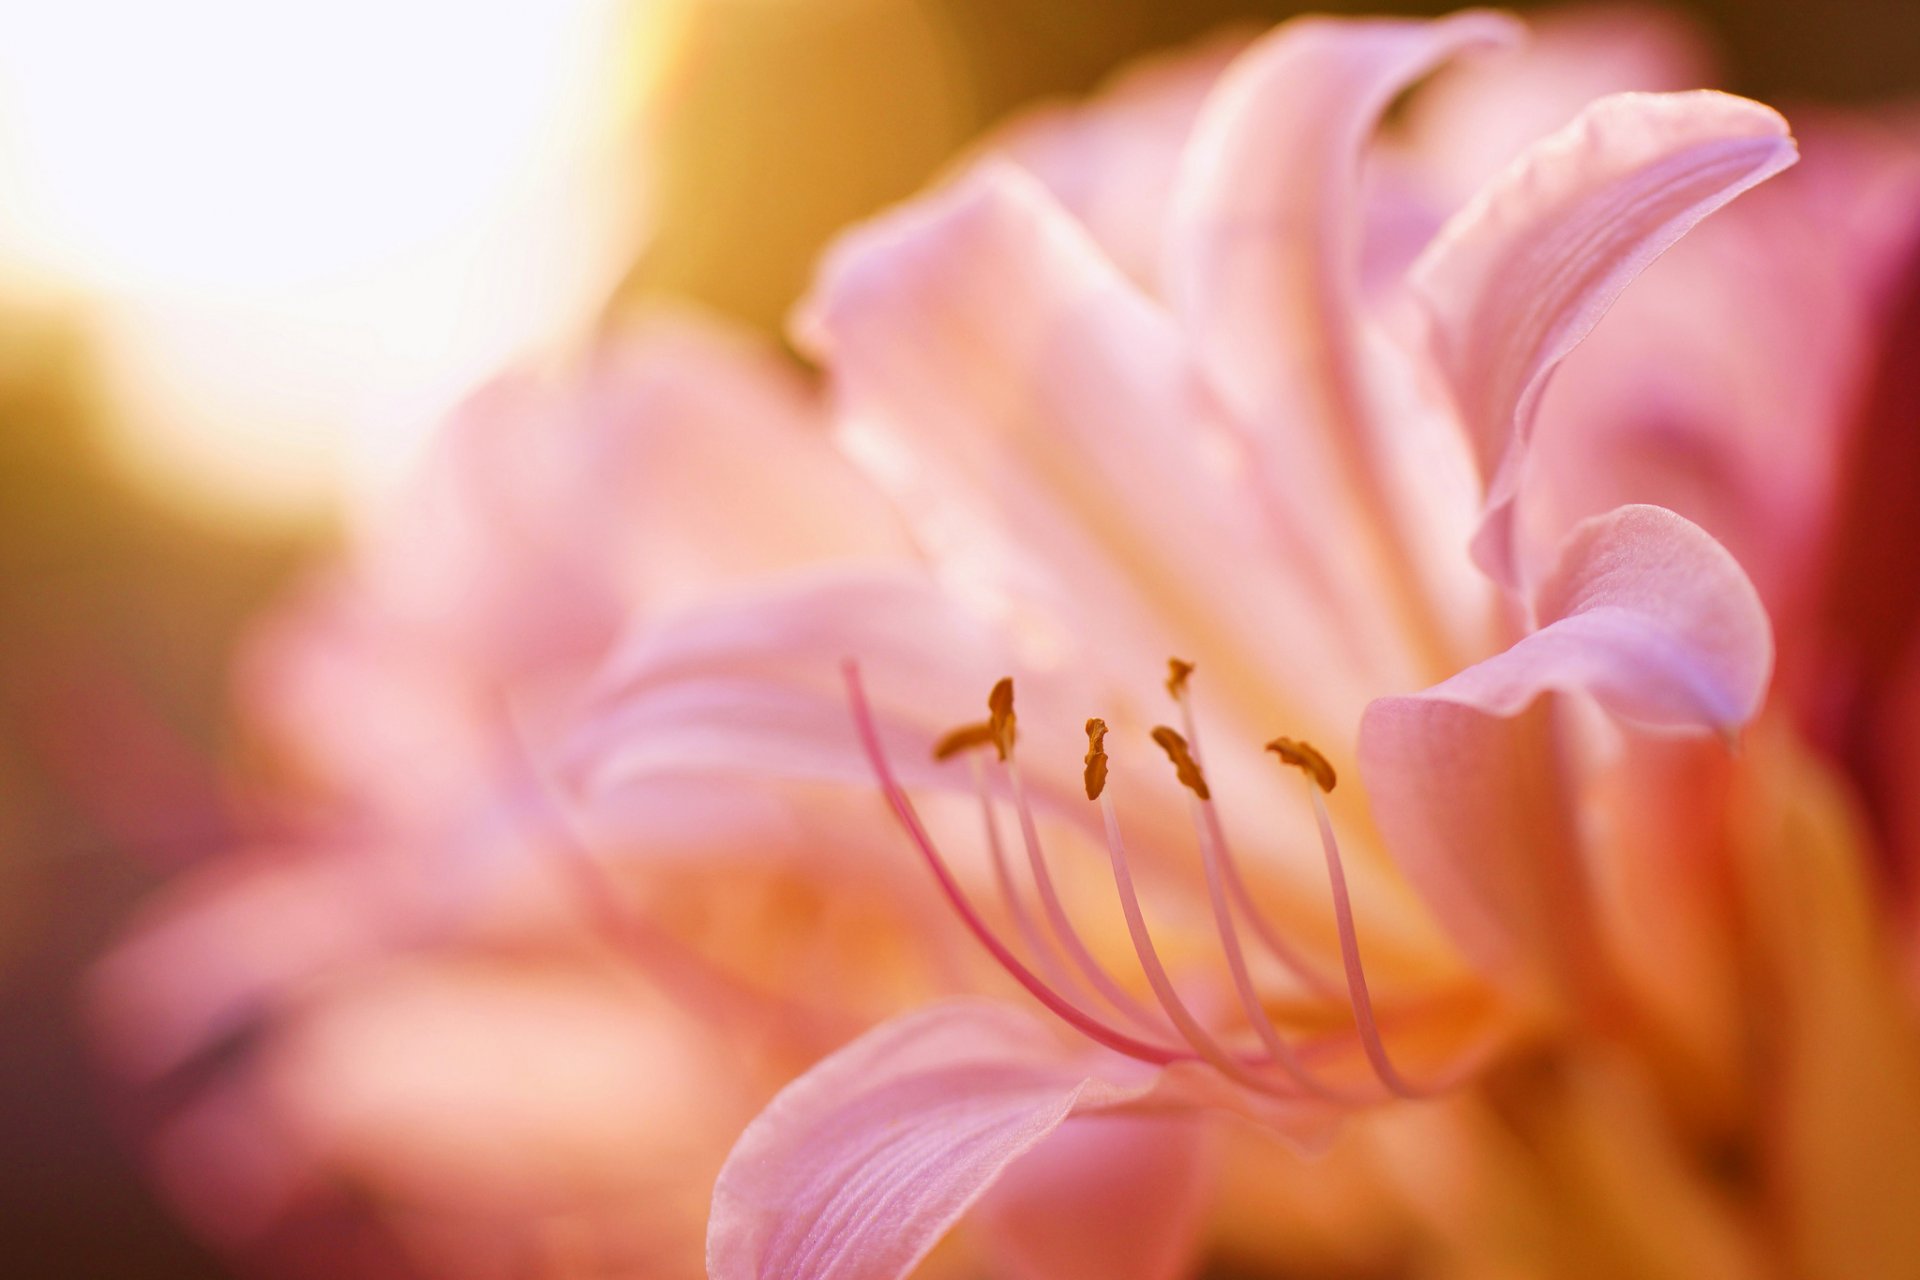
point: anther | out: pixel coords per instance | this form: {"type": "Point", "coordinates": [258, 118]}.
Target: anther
{"type": "Point", "coordinates": [1096, 757]}
{"type": "Point", "coordinates": [965, 738]}
{"type": "Point", "coordinates": [1178, 669]}
{"type": "Point", "coordinates": [1306, 758]}
{"type": "Point", "coordinates": [1000, 716]}
{"type": "Point", "coordinates": [1184, 766]}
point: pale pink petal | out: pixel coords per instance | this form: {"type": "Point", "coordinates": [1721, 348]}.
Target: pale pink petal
{"type": "Point", "coordinates": [679, 458]}
{"type": "Point", "coordinates": [1264, 260]}
{"type": "Point", "coordinates": [859, 1167]}
{"type": "Point", "coordinates": [1647, 615]}
{"type": "Point", "coordinates": [1106, 1198]}
{"type": "Point", "coordinates": [1037, 416]}
{"type": "Point", "coordinates": [1264, 248]}
{"type": "Point", "coordinates": [1517, 278]}
{"type": "Point", "coordinates": [678, 463]}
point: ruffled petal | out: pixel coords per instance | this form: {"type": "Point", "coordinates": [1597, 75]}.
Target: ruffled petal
{"type": "Point", "coordinates": [1524, 272]}
{"type": "Point", "coordinates": [1646, 614]}
{"type": "Point", "coordinates": [859, 1167]}
{"type": "Point", "coordinates": [1650, 616]}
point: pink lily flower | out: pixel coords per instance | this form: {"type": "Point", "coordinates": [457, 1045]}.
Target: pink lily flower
{"type": "Point", "coordinates": [1261, 448]}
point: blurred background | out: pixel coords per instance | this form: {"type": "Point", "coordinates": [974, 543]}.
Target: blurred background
{"type": "Point", "coordinates": [250, 252]}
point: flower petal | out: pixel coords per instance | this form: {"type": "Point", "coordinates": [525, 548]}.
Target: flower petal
{"type": "Point", "coordinates": [859, 1167]}
{"type": "Point", "coordinates": [1110, 1198]}
{"type": "Point", "coordinates": [1648, 615]}
{"type": "Point", "coordinates": [1039, 420]}
{"type": "Point", "coordinates": [1524, 272]}
{"type": "Point", "coordinates": [1264, 265]}
{"type": "Point", "coordinates": [1264, 253]}
{"type": "Point", "coordinates": [750, 688]}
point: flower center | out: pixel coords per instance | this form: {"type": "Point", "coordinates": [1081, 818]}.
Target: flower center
{"type": "Point", "coordinates": [1056, 966]}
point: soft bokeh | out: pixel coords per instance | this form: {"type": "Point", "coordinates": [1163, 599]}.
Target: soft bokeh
{"type": "Point", "coordinates": [250, 257]}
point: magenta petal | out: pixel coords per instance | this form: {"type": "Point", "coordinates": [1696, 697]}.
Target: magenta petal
{"type": "Point", "coordinates": [1644, 612]}
{"type": "Point", "coordinates": [1522, 274]}
{"type": "Point", "coordinates": [859, 1167]}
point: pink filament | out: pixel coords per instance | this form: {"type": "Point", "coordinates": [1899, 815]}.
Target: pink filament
{"type": "Point", "coordinates": [1003, 876]}
{"type": "Point", "coordinates": [1056, 913]}
{"type": "Point", "coordinates": [1086, 1023]}
{"type": "Point", "coordinates": [1262, 928]}
{"type": "Point", "coordinates": [1196, 1035]}
{"type": "Point", "coordinates": [1212, 858]}
{"type": "Point", "coordinates": [1363, 1016]}
{"type": "Point", "coordinates": [1358, 996]}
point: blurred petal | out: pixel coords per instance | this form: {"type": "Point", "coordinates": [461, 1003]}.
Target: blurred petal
{"type": "Point", "coordinates": [1517, 278]}
{"type": "Point", "coordinates": [1842, 1129]}
{"type": "Point", "coordinates": [751, 688]}
{"type": "Point", "coordinates": [1473, 120]}
{"type": "Point", "coordinates": [1111, 162]}
{"type": "Point", "coordinates": [1110, 1198]}
{"type": "Point", "coordinates": [859, 1167]}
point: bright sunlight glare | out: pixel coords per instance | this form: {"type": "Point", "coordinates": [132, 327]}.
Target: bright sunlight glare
{"type": "Point", "coordinates": [300, 227]}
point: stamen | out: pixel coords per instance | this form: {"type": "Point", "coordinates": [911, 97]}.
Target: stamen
{"type": "Point", "coordinates": [1209, 1049]}
{"type": "Point", "coordinates": [1043, 955]}
{"type": "Point", "coordinates": [999, 730]}
{"type": "Point", "coordinates": [1096, 757]}
{"type": "Point", "coordinates": [1304, 757]}
{"type": "Point", "coordinates": [1178, 669]}
{"type": "Point", "coordinates": [1000, 716]}
{"type": "Point", "coordinates": [1056, 913]}
{"type": "Point", "coordinates": [1184, 766]}
{"type": "Point", "coordinates": [1363, 1016]}
{"type": "Point", "coordinates": [1263, 929]}
{"type": "Point", "coordinates": [1212, 858]}
{"type": "Point", "coordinates": [1072, 1014]}
{"type": "Point", "coordinates": [965, 738]}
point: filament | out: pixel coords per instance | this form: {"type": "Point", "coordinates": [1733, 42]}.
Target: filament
{"type": "Point", "coordinates": [1256, 919]}
{"type": "Point", "coordinates": [1196, 1035]}
{"type": "Point", "coordinates": [1363, 1016]}
{"type": "Point", "coordinates": [1056, 913]}
{"type": "Point", "coordinates": [1061, 1006]}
